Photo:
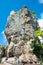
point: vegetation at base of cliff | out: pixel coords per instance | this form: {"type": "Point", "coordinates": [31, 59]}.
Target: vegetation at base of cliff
{"type": "Point", "coordinates": [38, 50]}
{"type": "Point", "coordinates": [37, 45]}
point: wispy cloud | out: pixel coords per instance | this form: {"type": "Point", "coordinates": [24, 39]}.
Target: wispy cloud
{"type": "Point", "coordinates": [41, 15]}
{"type": "Point", "coordinates": [40, 21]}
{"type": "Point", "coordinates": [41, 1]}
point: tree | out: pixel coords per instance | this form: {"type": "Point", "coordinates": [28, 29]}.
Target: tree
{"type": "Point", "coordinates": [38, 32]}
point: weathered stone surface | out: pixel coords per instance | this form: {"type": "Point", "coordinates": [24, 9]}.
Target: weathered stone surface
{"type": "Point", "coordinates": [19, 33]}
{"type": "Point", "coordinates": [3, 60]}
{"type": "Point", "coordinates": [19, 21]}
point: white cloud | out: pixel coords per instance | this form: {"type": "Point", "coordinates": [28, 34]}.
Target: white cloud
{"type": "Point", "coordinates": [41, 15]}
{"type": "Point", "coordinates": [40, 22]}
{"type": "Point", "coordinates": [41, 1]}
{"type": "Point", "coordinates": [41, 39]}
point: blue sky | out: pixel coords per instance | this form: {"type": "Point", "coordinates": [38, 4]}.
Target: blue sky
{"type": "Point", "coordinates": [8, 5]}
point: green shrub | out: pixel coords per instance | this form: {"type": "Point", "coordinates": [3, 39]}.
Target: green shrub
{"type": "Point", "coordinates": [38, 32]}
{"type": "Point", "coordinates": [38, 49]}
{"type": "Point", "coordinates": [3, 50]}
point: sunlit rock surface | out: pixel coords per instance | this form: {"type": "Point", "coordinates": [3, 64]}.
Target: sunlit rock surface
{"type": "Point", "coordinates": [19, 33]}
{"type": "Point", "coordinates": [21, 22]}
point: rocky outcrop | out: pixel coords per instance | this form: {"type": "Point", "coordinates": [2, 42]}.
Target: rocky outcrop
{"type": "Point", "coordinates": [20, 23]}
{"type": "Point", "coordinates": [19, 33]}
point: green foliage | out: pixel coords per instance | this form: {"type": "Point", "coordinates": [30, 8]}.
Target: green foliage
{"type": "Point", "coordinates": [1, 47]}
{"type": "Point", "coordinates": [33, 13]}
{"type": "Point", "coordinates": [38, 33]}
{"type": "Point", "coordinates": [38, 49]}
{"type": "Point", "coordinates": [3, 50]}
{"type": "Point", "coordinates": [21, 9]}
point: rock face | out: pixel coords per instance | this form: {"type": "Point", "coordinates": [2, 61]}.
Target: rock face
{"type": "Point", "coordinates": [20, 23]}
{"type": "Point", "coordinates": [19, 33]}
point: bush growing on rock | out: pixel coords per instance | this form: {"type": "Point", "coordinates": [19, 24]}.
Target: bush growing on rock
{"type": "Point", "coordinates": [2, 48]}
{"type": "Point", "coordinates": [38, 48]}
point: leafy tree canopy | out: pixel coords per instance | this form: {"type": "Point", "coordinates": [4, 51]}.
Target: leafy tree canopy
{"type": "Point", "coordinates": [38, 32]}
